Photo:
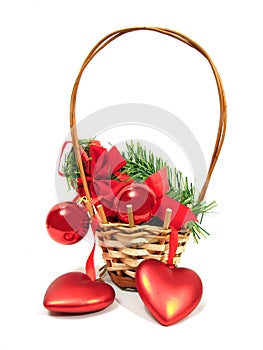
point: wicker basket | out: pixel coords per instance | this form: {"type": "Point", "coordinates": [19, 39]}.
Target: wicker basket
{"type": "Point", "coordinates": [125, 247]}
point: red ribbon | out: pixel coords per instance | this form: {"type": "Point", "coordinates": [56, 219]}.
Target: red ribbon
{"type": "Point", "coordinates": [173, 244]}
{"type": "Point", "coordinates": [90, 266]}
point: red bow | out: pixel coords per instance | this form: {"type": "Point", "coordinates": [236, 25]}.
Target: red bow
{"type": "Point", "coordinates": [100, 166]}
{"type": "Point", "coordinates": [181, 214]}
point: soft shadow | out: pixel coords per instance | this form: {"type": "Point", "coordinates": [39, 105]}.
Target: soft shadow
{"type": "Point", "coordinates": [131, 300]}
{"type": "Point", "coordinates": [63, 315]}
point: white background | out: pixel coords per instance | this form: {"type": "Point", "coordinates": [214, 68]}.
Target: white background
{"type": "Point", "coordinates": [43, 44]}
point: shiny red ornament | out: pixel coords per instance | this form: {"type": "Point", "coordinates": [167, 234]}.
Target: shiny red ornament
{"type": "Point", "coordinates": [170, 293]}
{"type": "Point", "coordinates": [76, 293]}
{"type": "Point", "coordinates": [67, 222]}
{"type": "Point", "coordinates": [142, 199]}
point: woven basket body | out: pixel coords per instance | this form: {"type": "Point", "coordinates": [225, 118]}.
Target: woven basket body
{"type": "Point", "coordinates": [124, 247]}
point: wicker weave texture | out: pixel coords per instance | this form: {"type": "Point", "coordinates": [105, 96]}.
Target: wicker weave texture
{"type": "Point", "coordinates": [124, 248]}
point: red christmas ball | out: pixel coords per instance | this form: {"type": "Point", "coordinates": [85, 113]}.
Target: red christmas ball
{"type": "Point", "coordinates": [142, 199]}
{"type": "Point", "coordinates": [67, 223]}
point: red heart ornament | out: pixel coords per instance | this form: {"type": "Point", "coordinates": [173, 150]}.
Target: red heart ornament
{"type": "Point", "coordinates": [168, 292]}
{"type": "Point", "coordinates": [75, 292]}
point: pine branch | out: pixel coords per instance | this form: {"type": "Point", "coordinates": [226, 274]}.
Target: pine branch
{"type": "Point", "coordinates": [70, 167]}
{"type": "Point", "coordinates": [140, 164]}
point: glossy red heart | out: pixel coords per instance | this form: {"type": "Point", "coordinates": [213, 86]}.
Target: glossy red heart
{"type": "Point", "coordinates": [169, 293]}
{"type": "Point", "coordinates": [75, 292]}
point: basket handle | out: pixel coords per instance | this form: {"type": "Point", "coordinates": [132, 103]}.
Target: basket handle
{"type": "Point", "coordinates": [103, 43]}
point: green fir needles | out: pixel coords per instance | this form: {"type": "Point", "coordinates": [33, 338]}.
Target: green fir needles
{"type": "Point", "coordinates": [140, 164]}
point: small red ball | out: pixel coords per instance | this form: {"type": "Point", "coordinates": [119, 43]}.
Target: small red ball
{"type": "Point", "coordinates": [67, 223]}
{"type": "Point", "coordinates": [142, 199]}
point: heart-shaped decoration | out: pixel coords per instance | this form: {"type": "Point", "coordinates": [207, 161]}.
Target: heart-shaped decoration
{"type": "Point", "coordinates": [168, 292]}
{"type": "Point", "coordinates": [75, 292]}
